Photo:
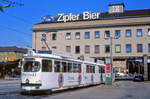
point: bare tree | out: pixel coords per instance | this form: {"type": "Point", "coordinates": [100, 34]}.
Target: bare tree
{"type": "Point", "coordinates": [8, 3]}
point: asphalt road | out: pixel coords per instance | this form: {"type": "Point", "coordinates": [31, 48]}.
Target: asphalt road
{"type": "Point", "coordinates": [119, 90]}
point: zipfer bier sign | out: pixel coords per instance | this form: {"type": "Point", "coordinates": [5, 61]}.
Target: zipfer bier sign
{"type": "Point", "coordinates": [74, 17]}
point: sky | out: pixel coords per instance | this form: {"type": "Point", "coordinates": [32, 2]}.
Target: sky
{"type": "Point", "coordinates": [16, 22]}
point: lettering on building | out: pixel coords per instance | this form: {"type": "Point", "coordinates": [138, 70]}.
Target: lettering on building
{"type": "Point", "coordinates": [75, 17]}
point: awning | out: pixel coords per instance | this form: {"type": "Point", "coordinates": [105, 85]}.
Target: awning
{"type": "Point", "coordinates": [138, 60]}
{"type": "Point", "coordinates": [135, 60]}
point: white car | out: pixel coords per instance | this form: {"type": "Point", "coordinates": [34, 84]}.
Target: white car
{"type": "Point", "coordinates": [120, 74]}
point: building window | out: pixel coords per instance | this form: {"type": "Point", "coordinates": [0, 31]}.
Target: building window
{"type": "Point", "coordinates": [118, 48]}
{"type": "Point", "coordinates": [149, 32]}
{"type": "Point", "coordinates": [77, 49]}
{"type": "Point", "coordinates": [117, 33]}
{"type": "Point", "coordinates": [77, 35]}
{"type": "Point", "coordinates": [128, 48]}
{"type": "Point", "coordinates": [107, 48]}
{"type": "Point", "coordinates": [68, 49]}
{"type": "Point", "coordinates": [54, 47]}
{"type": "Point", "coordinates": [68, 36]}
{"type": "Point", "coordinates": [87, 35]}
{"type": "Point", "coordinates": [148, 47]}
{"type": "Point", "coordinates": [97, 34]}
{"type": "Point", "coordinates": [54, 36]}
{"type": "Point", "coordinates": [43, 48]}
{"type": "Point", "coordinates": [107, 34]}
{"type": "Point", "coordinates": [87, 49]}
{"type": "Point", "coordinates": [139, 33]}
{"type": "Point", "coordinates": [139, 48]}
{"type": "Point", "coordinates": [128, 33]}
{"type": "Point", "coordinates": [97, 48]}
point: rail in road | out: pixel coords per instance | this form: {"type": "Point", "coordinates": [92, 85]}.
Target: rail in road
{"type": "Point", "coordinates": [119, 90]}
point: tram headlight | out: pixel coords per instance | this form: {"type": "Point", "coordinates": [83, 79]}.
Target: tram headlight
{"type": "Point", "coordinates": [39, 81]}
{"type": "Point", "coordinates": [27, 80]}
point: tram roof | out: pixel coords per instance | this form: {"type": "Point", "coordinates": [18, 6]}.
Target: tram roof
{"type": "Point", "coordinates": [44, 56]}
{"type": "Point", "coordinates": [38, 55]}
{"type": "Point", "coordinates": [51, 56]}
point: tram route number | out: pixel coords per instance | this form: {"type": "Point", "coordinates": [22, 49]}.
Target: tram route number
{"type": "Point", "coordinates": [29, 74]}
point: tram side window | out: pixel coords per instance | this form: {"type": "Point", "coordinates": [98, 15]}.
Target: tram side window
{"type": "Point", "coordinates": [57, 66]}
{"type": "Point", "coordinates": [70, 67]}
{"type": "Point", "coordinates": [64, 67]}
{"type": "Point", "coordinates": [87, 68]}
{"type": "Point", "coordinates": [99, 69]}
{"type": "Point", "coordinates": [75, 68]}
{"type": "Point", "coordinates": [103, 69]}
{"type": "Point", "coordinates": [46, 66]}
{"type": "Point", "coordinates": [93, 69]}
{"type": "Point", "coordinates": [79, 66]}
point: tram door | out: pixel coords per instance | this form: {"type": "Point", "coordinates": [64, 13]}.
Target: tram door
{"type": "Point", "coordinates": [148, 71]}
{"type": "Point", "coordinates": [101, 74]}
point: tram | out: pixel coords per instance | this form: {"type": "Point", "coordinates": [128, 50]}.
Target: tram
{"type": "Point", "coordinates": [42, 72]}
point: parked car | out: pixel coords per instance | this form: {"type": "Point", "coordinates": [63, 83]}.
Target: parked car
{"type": "Point", "coordinates": [138, 77]}
{"type": "Point", "coordinates": [121, 74]}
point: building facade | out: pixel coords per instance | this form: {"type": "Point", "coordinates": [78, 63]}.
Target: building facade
{"type": "Point", "coordinates": [11, 53]}
{"type": "Point", "coordinates": [9, 60]}
{"type": "Point", "coordinates": [88, 34]}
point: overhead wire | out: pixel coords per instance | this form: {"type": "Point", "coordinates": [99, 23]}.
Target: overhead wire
{"type": "Point", "coordinates": [18, 18]}
{"type": "Point", "coordinates": [15, 30]}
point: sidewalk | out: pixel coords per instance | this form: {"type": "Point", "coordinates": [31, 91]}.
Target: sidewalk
{"type": "Point", "coordinates": [146, 81]}
{"type": "Point", "coordinates": [12, 78]}
{"type": "Point", "coordinates": [7, 81]}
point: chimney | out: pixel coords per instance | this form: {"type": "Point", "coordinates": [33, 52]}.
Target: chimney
{"type": "Point", "coordinates": [116, 8]}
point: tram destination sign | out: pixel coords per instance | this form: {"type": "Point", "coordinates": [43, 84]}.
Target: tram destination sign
{"type": "Point", "coordinates": [75, 17]}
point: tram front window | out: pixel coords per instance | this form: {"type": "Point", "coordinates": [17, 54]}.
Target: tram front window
{"type": "Point", "coordinates": [31, 66]}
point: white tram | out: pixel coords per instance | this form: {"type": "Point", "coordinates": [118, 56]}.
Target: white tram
{"type": "Point", "coordinates": [51, 72]}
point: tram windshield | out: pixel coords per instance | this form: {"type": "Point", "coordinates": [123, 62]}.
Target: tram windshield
{"type": "Point", "coordinates": [31, 66]}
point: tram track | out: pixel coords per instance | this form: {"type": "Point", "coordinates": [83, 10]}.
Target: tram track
{"type": "Point", "coordinates": [8, 93]}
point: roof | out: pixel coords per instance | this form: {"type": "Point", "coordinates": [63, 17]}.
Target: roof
{"type": "Point", "coordinates": [127, 14]}
{"type": "Point", "coordinates": [114, 4]}
{"type": "Point", "coordinates": [109, 16]}
{"type": "Point", "coordinates": [13, 49]}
